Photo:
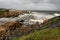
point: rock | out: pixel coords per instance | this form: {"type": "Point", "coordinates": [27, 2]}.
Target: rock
{"type": "Point", "coordinates": [13, 13]}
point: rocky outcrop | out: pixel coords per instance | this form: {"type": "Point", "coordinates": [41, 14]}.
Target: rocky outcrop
{"type": "Point", "coordinates": [13, 13]}
{"type": "Point", "coordinates": [18, 18]}
{"type": "Point", "coordinates": [7, 29]}
{"type": "Point", "coordinates": [15, 29]}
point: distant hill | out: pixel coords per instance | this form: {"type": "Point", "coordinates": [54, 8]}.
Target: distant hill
{"type": "Point", "coordinates": [46, 11]}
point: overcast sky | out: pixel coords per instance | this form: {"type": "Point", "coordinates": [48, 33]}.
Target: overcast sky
{"type": "Point", "coordinates": [31, 4]}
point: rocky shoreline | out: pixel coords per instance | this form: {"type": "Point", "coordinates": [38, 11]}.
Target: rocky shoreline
{"type": "Point", "coordinates": [22, 24]}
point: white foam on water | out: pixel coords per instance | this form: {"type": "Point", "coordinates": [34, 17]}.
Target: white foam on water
{"type": "Point", "coordinates": [43, 15]}
{"type": "Point", "coordinates": [33, 15]}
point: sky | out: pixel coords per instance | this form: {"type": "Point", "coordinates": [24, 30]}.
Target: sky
{"type": "Point", "coordinates": [31, 4]}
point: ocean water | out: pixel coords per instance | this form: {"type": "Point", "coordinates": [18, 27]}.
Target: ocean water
{"type": "Point", "coordinates": [33, 15]}
{"type": "Point", "coordinates": [42, 15]}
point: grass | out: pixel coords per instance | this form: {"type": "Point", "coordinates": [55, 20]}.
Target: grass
{"type": "Point", "coordinates": [2, 12]}
{"type": "Point", "coordinates": [45, 34]}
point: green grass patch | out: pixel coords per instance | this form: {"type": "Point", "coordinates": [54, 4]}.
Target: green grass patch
{"type": "Point", "coordinates": [2, 12]}
{"type": "Point", "coordinates": [45, 34]}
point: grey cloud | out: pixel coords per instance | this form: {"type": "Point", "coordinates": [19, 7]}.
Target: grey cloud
{"type": "Point", "coordinates": [30, 4]}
